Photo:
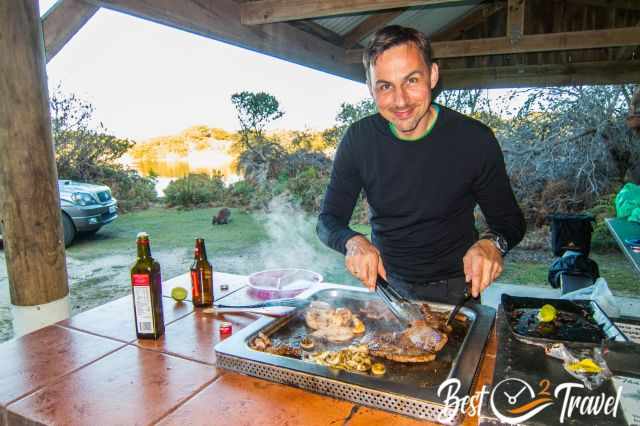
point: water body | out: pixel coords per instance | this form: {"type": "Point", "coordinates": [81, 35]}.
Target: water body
{"type": "Point", "coordinates": [169, 169]}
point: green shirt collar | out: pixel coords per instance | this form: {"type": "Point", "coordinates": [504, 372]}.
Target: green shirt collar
{"type": "Point", "coordinates": [395, 132]}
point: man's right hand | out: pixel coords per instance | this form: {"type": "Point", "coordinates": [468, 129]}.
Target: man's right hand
{"type": "Point", "coordinates": [364, 262]}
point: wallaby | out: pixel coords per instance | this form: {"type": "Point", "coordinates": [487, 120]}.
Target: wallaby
{"type": "Point", "coordinates": [223, 217]}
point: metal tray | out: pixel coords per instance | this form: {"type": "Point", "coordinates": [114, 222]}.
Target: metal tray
{"type": "Point", "coordinates": [587, 312]}
{"type": "Point", "coordinates": [405, 389]}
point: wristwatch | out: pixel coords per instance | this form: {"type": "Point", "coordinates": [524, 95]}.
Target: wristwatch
{"type": "Point", "coordinates": [498, 240]}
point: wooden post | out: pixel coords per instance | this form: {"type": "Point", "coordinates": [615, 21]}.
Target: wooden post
{"type": "Point", "coordinates": [29, 198]}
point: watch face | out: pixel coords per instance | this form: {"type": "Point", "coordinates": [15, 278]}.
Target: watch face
{"type": "Point", "coordinates": [501, 243]}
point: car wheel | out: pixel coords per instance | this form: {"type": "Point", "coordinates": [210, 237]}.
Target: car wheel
{"type": "Point", "coordinates": [69, 230]}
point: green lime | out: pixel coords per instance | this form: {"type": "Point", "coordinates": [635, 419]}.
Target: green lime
{"type": "Point", "coordinates": [179, 294]}
{"type": "Point", "coordinates": [547, 313]}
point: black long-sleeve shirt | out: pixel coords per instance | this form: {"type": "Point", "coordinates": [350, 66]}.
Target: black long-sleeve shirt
{"type": "Point", "coordinates": [421, 193]}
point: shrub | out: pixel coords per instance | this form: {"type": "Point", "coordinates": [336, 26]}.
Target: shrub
{"type": "Point", "coordinates": [195, 189]}
{"type": "Point", "coordinates": [130, 189]}
{"type": "Point", "coordinates": [307, 188]}
{"type": "Point", "coordinates": [240, 194]}
{"type": "Point", "coordinates": [602, 240]}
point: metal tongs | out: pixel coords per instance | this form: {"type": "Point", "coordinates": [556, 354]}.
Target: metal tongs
{"type": "Point", "coordinates": [404, 310]}
{"type": "Point", "coordinates": [465, 298]}
{"type": "Point", "coordinates": [281, 303]}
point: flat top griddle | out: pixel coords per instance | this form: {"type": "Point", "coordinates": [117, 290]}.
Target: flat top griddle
{"type": "Point", "coordinates": [579, 323]}
{"type": "Point", "coordinates": [419, 374]}
{"type": "Point", "coordinates": [406, 389]}
{"type": "Point", "coordinates": [518, 360]}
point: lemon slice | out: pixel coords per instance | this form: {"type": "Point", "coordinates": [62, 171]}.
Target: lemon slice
{"type": "Point", "coordinates": [378, 369]}
{"type": "Point", "coordinates": [179, 294]}
{"type": "Point", "coordinates": [547, 313]}
{"type": "Point", "coordinates": [586, 365]}
{"type": "Point", "coordinates": [358, 326]}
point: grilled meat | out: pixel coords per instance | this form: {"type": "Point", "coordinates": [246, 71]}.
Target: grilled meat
{"type": "Point", "coordinates": [336, 325]}
{"type": "Point", "coordinates": [437, 320]}
{"type": "Point", "coordinates": [377, 311]}
{"type": "Point", "coordinates": [263, 343]}
{"type": "Point", "coordinates": [418, 343]}
{"type": "Point", "coordinates": [321, 315]}
{"type": "Point", "coordinates": [335, 334]}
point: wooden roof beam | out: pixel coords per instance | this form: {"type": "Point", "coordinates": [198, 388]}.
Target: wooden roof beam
{"type": "Point", "coordinates": [610, 4]}
{"type": "Point", "coordinates": [220, 20]}
{"type": "Point", "coordinates": [541, 75]}
{"type": "Point", "coordinates": [62, 22]}
{"type": "Point", "coordinates": [369, 26]}
{"type": "Point", "coordinates": [269, 11]}
{"type": "Point", "coordinates": [475, 16]}
{"type": "Point", "coordinates": [573, 40]}
{"type": "Point", "coordinates": [515, 20]}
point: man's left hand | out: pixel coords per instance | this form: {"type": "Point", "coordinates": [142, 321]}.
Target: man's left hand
{"type": "Point", "coordinates": [482, 265]}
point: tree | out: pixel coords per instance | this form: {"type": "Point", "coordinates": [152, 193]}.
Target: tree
{"type": "Point", "coordinates": [568, 146]}
{"type": "Point", "coordinates": [255, 111]}
{"type": "Point", "coordinates": [347, 115]}
{"type": "Point", "coordinates": [85, 151]}
{"type": "Point", "coordinates": [81, 151]}
{"type": "Point", "coordinates": [258, 157]}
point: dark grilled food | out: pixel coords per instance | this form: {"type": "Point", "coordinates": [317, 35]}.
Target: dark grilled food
{"type": "Point", "coordinates": [263, 343]}
{"type": "Point", "coordinates": [376, 310]}
{"type": "Point", "coordinates": [418, 343]}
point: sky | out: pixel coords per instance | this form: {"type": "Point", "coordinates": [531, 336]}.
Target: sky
{"type": "Point", "coordinates": [145, 79]}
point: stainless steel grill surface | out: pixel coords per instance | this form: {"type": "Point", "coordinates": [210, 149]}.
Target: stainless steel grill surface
{"type": "Point", "coordinates": [409, 389]}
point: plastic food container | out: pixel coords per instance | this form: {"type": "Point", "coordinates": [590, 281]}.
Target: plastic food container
{"type": "Point", "coordinates": [282, 283]}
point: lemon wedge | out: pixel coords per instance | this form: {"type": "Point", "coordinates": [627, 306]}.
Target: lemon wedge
{"type": "Point", "coordinates": [358, 326]}
{"type": "Point", "coordinates": [179, 294]}
{"type": "Point", "coordinates": [586, 365]}
{"type": "Point", "coordinates": [547, 313]}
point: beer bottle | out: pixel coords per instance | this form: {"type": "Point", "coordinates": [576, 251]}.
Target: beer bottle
{"type": "Point", "coordinates": [147, 292]}
{"type": "Point", "coordinates": [201, 276]}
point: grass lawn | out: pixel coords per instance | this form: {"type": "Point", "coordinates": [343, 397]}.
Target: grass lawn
{"type": "Point", "coordinates": [614, 267]}
{"type": "Point", "coordinates": [170, 229]}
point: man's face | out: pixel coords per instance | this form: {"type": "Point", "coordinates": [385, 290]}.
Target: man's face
{"type": "Point", "coordinates": [401, 83]}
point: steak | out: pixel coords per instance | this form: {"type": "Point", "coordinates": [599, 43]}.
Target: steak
{"type": "Point", "coordinates": [418, 343]}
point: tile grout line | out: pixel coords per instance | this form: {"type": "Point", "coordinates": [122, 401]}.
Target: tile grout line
{"type": "Point", "coordinates": [173, 354]}
{"type": "Point", "coordinates": [62, 376]}
{"type": "Point", "coordinates": [189, 398]}
{"type": "Point", "coordinates": [92, 333]}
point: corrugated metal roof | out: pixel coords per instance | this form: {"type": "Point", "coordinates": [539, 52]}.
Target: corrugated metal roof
{"type": "Point", "coordinates": [427, 19]}
{"type": "Point", "coordinates": [342, 24]}
{"type": "Point", "coordinates": [430, 19]}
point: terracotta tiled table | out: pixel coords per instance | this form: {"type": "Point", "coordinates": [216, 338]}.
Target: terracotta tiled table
{"type": "Point", "coordinates": [91, 370]}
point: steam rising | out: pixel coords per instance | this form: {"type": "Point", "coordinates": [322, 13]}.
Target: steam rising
{"type": "Point", "coordinates": [293, 243]}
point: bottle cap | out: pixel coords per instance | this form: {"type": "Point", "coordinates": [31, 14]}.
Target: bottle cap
{"type": "Point", "coordinates": [226, 327]}
{"type": "Point", "coordinates": [142, 235]}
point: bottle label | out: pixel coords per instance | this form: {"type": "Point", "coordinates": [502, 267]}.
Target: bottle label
{"type": "Point", "coordinates": [140, 279]}
{"type": "Point", "coordinates": [142, 303]}
{"type": "Point", "coordinates": [196, 283]}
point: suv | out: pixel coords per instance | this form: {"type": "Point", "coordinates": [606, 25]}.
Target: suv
{"type": "Point", "coordinates": [85, 208]}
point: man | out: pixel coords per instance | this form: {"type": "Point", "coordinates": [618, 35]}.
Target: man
{"type": "Point", "coordinates": [423, 168]}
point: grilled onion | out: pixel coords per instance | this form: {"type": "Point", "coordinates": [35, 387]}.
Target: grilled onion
{"type": "Point", "coordinates": [307, 343]}
{"type": "Point", "coordinates": [378, 369]}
